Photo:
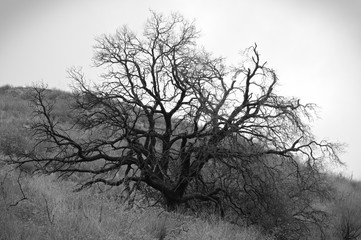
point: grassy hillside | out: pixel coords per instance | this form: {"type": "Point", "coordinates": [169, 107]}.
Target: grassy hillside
{"type": "Point", "coordinates": [46, 207]}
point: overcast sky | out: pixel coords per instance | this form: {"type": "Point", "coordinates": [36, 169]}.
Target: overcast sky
{"type": "Point", "coordinates": [314, 46]}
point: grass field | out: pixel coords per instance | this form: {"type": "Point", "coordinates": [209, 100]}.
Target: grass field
{"type": "Point", "coordinates": [44, 207]}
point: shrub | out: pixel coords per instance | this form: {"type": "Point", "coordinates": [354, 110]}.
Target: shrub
{"type": "Point", "coordinates": [5, 88]}
{"type": "Point", "coordinates": [346, 211]}
{"type": "Point", "coordinates": [13, 140]}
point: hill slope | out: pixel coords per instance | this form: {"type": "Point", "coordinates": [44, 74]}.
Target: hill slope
{"type": "Point", "coordinates": [45, 207]}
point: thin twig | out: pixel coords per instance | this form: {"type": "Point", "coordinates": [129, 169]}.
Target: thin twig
{"type": "Point", "coordinates": [3, 188]}
{"type": "Point", "coordinates": [51, 218]}
{"type": "Point", "coordinates": [22, 193]}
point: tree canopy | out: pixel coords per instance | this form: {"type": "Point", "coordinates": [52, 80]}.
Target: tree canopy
{"type": "Point", "coordinates": [169, 116]}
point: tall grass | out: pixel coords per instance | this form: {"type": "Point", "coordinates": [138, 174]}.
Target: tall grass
{"type": "Point", "coordinates": [51, 210]}
{"type": "Point", "coordinates": [44, 207]}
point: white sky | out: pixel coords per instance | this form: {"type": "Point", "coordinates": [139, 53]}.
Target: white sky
{"type": "Point", "coordinates": [314, 46]}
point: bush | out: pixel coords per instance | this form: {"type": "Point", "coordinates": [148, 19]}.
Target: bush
{"type": "Point", "coordinates": [346, 211]}
{"type": "Point", "coordinates": [14, 140]}
{"type": "Point", "coordinates": [282, 198]}
{"type": "Point", "coordinates": [5, 88]}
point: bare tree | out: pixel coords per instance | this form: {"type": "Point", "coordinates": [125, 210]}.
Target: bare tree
{"type": "Point", "coordinates": [171, 116]}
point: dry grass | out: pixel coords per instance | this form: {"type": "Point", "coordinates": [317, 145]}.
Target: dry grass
{"type": "Point", "coordinates": [52, 211]}
{"type": "Point", "coordinates": [43, 207]}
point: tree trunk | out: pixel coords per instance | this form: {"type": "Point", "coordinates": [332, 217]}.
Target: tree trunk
{"type": "Point", "coordinates": [173, 200]}
{"type": "Point", "coordinates": [171, 204]}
